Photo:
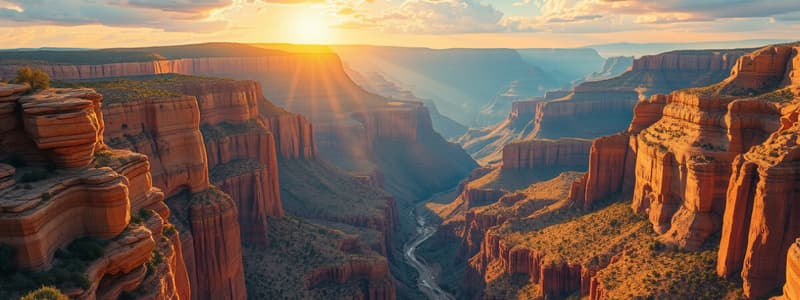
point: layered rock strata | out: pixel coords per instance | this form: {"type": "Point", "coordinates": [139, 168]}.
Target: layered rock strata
{"type": "Point", "coordinates": [711, 159]}
{"type": "Point", "coordinates": [89, 192]}
{"type": "Point", "coordinates": [597, 108]}
{"type": "Point", "coordinates": [546, 154]}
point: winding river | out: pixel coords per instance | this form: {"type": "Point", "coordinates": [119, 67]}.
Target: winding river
{"type": "Point", "coordinates": [427, 277]}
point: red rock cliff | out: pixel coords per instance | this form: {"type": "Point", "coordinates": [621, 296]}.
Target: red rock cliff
{"type": "Point", "coordinates": [546, 154]}
{"type": "Point", "coordinates": [241, 150]}
{"type": "Point", "coordinates": [166, 130]}
{"type": "Point", "coordinates": [791, 290]}
{"type": "Point", "coordinates": [234, 104]}
{"type": "Point", "coordinates": [95, 197]}
{"type": "Point", "coordinates": [711, 160]}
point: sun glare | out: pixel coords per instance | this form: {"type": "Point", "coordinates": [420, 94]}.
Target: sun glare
{"type": "Point", "coordinates": [310, 30]}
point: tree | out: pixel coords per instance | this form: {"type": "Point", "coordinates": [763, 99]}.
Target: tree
{"type": "Point", "coordinates": [37, 79]}
{"type": "Point", "coordinates": [45, 293]}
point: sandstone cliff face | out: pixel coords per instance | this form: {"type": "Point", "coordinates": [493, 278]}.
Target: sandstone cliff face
{"type": "Point", "coordinates": [561, 153]}
{"type": "Point", "coordinates": [218, 270]}
{"type": "Point", "coordinates": [687, 61]}
{"type": "Point", "coordinates": [189, 66]}
{"type": "Point", "coordinates": [294, 136]}
{"type": "Point", "coordinates": [375, 274]}
{"type": "Point", "coordinates": [395, 137]}
{"type": "Point", "coordinates": [597, 108]}
{"type": "Point", "coordinates": [167, 131]}
{"type": "Point", "coordinates": [791, 290]}
{"type": "Point", "coordinates": [707, 160]}
{"type": "Point", "coordinates": [94, 197]}
{"type": "Point", "coordinates": [760, 217]}
{"type": "Point", "coordinates": [238, 153]}
{"type": "Point", "coordinates": [241, 151]}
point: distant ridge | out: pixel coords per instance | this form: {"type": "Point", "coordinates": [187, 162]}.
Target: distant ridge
{"type": "Point", "coordinates": [639, 49]}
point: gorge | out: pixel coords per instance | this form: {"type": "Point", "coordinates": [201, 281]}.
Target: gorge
{"type": "Point", "coordinates": [271, 171]}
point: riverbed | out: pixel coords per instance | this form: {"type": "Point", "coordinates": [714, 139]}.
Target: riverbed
{"type": "Point", "coordinates": [427, 277]}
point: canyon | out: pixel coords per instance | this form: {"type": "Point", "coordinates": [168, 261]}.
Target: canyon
{"type": "Point", "coordinates": [596, 108]}
{"type": "Point", "coordinates": [265, 171]}
{"type": "Point", "coordinates": [691, 198]}
{"type": "Point", "coordinates": [474, 87]}
{"type": "Point", "coordinates": [78, 210]}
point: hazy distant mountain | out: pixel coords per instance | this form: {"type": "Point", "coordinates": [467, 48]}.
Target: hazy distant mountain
{"type": "Point", "coordinates": [639, 49]}
{"type": "Point", "coordinates": [46, 49]}
{"type": "Point", "coordinates": [474, 86]}
{"type": "Point", "coordinates": [564, 64]}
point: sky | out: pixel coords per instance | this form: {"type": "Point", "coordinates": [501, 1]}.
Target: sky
{"type": "Point", "coordinates": [418, 23]}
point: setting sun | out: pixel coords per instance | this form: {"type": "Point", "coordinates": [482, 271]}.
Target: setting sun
{"type": "Point", "coordinates": [310, 29]}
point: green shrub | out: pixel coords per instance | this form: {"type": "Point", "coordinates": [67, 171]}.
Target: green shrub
{"type": "Point", "coordinates": [169, 230]}
{"type": "Point", "coordinates": [102, 159]}
{"type": "Point", "coordinates": [87, 248]}
{"type": "Point", "coordinates": [155, 260]}
{"type": "Point", "coordinates": [45, 293]}
{"type": "Point", "coordinates": [37, 79]}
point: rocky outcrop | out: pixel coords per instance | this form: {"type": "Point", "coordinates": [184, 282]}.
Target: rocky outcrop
{"type": "Point", "coordinates": [67, 124]}
{"type": "Point", "coordinates": [218, 271]}
{"type": "Point", "coordinates": [167, 131]}
{"type": "Point", "coordinates": [379, 284]}
{"type": "Point", "coordinates": [561, 153]}
{"type": "Point", "coordinates": [791, 290]}
{"type": "Point", "coordinates": [390, 139]}
{"type": "Point", "coordinates": [597, 108]}
{"type": "Point", "coordinates": [241, 151]}
{"type": "Point", "coordinates": [294, 136]}
{"type": "Point", "coordinates": [237, 147]}
{"type": "Point", "coordinates": [586, 113]}
{"type": "Point", "coordinates": [268, 62]}
{"type": "Point", "coordinates": [611, 161]}
{"type": "Point", "coordinates": [612, 67]}
{"type": "Point", "coordinates": [711, 159]}
{"type": "Point", "coordinates": [760, 215]}
{"type": "Point", "coordinates": [687, 61]}
{"type": "Point", "coordinates": [89, 191]}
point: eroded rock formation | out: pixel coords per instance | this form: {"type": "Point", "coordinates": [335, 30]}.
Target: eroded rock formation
{"type": "Point", "coordinates": [596, 108]}
{"type": "Point", "coordinates": [68, 187]}
{"type": "Point", "coordinates": [561, 153]}
{"type": "Point", "coordinates": [711, 159]}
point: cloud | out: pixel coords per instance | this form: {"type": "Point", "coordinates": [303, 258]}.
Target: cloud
{"type": "Point", "coordinates": [174, 15]}
{"type": "Point", "coordinates": [435, 17]}
{"type": "Point", "coordinates": [186, 6]}
{"type": "Point", "coordinates": [293, 1]}
{"type": "Point", "coordinates": [667, 11]}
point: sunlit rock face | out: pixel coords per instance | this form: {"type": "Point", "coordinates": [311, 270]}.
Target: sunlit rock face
{"type": "Point", "coordinates": [718, 158]}
{"type": "Point", "coordinates": [66, 185]}
{"type": "Point", "coordinates": [544, 154]}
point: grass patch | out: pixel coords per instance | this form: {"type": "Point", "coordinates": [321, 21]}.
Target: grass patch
{"type": "Point", "coordinates": [234, 168]}
{"type": "Point", "coordinates": [222, 130]}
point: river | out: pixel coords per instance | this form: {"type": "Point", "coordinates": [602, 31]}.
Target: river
{"type": "Point", "coordinates": [427, 277]}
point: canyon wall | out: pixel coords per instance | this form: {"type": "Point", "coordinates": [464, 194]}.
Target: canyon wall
{"type": "Point", "coordinates": [561, 153]}
{"type": "Point", "coordinates": [67, 189]}
{"type": "Point", "coordinates": [602, 107]}
{"type": "Point", "coordinates": [714, 159]}
{"type": "Point", "coordinates": [790, 289]}
{"type": "Point", "coordinates": [402, 135]}
{"type": "Point", "coordinates": [269, 63]}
